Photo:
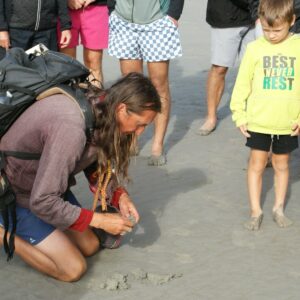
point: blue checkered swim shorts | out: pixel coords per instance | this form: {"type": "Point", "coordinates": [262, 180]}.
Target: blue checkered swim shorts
{"type": "Point", "coordinates": [153, 42]}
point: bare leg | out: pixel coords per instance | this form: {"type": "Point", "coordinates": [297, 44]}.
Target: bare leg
{"type": "Point", "coordinates": [55, 256]}
{"type": "Point", "coordinates": [281, 178]}
{"type": "Point", "coordinates": [214, 89]}
{"type": "Point", "coordinates": [69, 51]}
{"type": "Point", "coordinates": [256, 167]}
{"type": "Point", "coordinates": [159, 72]}
{"type": "Point", "coordinates": [131, 65]}
{"type": "Point", "coordinates": [93, 61]}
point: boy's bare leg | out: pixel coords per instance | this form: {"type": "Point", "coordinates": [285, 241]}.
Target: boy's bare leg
{"type": "Point", "coordinates": [159, 75]}
{"type": "Point", "coordinates": [55, 256]}
{"type": "Point", "coordinates": [256, 167]}
{"type": "Point", "coordinates": [280, 164]}
{"type": "Point", "coordinates": [93, 61]}
{"type": "Point", "coordinates": [214, 90]}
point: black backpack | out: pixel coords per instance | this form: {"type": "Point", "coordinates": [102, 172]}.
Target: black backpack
{"type": "Point", "coordinates": [25, 78]}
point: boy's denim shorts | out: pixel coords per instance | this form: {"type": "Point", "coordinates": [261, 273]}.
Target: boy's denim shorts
{"type": "Point", "coordinates": [32, 229]}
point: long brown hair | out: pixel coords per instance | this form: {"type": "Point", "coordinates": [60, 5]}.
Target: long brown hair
{"type": "Point", "coordinates": [138, 93]}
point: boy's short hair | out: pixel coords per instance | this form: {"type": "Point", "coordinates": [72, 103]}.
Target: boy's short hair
{"type": "Point", "coordinates": [274, 11]}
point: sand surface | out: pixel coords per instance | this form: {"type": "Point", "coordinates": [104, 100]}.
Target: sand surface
{"type": "Point", "coordinates": [190, 243]}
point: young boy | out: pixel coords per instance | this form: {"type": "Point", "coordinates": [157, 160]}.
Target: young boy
{"type": "Point", "coordinates": [266, 104]}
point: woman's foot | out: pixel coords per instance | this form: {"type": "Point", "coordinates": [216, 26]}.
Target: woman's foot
{"type": "Point", "coordinates": [254, 223]}
{"type": "Point", "coordinates": [280, 219]}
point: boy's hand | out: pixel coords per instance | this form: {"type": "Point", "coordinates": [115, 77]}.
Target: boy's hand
{"type": "Point", "coordinates": [4, 39]}
{"type": "Point", "coordinates": [65, 38]}
{"type": "Point", "coordinates": [244, 130]}
{"type": "Point", "coordinates": [296, 130]}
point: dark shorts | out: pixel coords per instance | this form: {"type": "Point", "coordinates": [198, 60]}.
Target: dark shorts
{"type": "Point", "coordinates": [281, 144]}
{"type": "Point", "coordinates": [32, 229]}
{"type": "Point", "coordinates": [26, 39]}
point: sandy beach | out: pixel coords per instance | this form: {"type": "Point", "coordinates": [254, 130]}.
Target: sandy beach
{"type": "Point", "coordinates": [190, 243]}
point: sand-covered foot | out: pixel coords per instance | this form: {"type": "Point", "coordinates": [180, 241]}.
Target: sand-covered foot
{"type": "Point", "coordinates": [157, 160]}
{"type": "Point", "coordinates": [254, 223]}
{"type": "Point", "coordinates": [280, 219]}
{"type": "Point", "coordinates": [207, 128]}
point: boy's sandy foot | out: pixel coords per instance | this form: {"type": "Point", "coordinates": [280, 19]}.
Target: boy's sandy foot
{"type": "Point", "coordinates": [281, 220]}
{"type": "Point", "coordinates": [254, 223]}
{"type": "Point", "coordinates": [207, 128]}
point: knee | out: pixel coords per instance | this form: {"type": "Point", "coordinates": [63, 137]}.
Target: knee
{"type": "Point", "coordinates": [218, 71]}
{"type": "Point", "coordinates": [74, 271]}
{"type": "Point", "coordinates": [280, 166]}
{"type": "Point", "coordinates": [91, 248]}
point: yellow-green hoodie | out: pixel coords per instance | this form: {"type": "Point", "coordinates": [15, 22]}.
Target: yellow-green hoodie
{"type": "Point", "coordinates": [266, 95]}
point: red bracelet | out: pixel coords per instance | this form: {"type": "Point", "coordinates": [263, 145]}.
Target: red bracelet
{"type": "Point", "coordinates": [116, 196]}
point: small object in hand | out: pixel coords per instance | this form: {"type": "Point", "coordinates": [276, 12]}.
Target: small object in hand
{"type": "Point", "coordinates": [132, 219]}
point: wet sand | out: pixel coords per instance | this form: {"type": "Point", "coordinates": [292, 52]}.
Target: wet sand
{"type": "Point", "coordinates": [190, 242]}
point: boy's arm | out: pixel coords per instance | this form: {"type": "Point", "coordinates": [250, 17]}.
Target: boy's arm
{"type": "Point", "coordinates": [65, 21]}
{"type": "Point", "coordinates": [242, 89]}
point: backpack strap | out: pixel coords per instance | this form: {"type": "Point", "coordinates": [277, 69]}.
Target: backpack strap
{"type": "Point", "coordinates": [8, 200]}
{"type": "Point", "coordinates": [78, 96]}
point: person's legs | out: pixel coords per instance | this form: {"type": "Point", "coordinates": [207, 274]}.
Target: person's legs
{"type": "Point", "coordinates": [280, 164]}
{"type": "Point", "coordinates": [256, 167]}
{"type": "Point", "coordinates": [93, 61]}
{"type": "Point", "coordinates": [225, 49]}
{"type": "Point", "coordinates": [214, 90]}
{"type": "Point", "coordinates": [94, 38]}
{"type": "Point", "coordinates": [131, 65]}
{"type": "Point", "coordinates": [158, 73]}
{"type": "Point", "coordinates": [55, 256]}
{"type": "Point", "coordinates": [21, 38]}
{"type": "Point", "coordinates": [47, 37]}
{"type": "Point", "coordinates": [69, 51]}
